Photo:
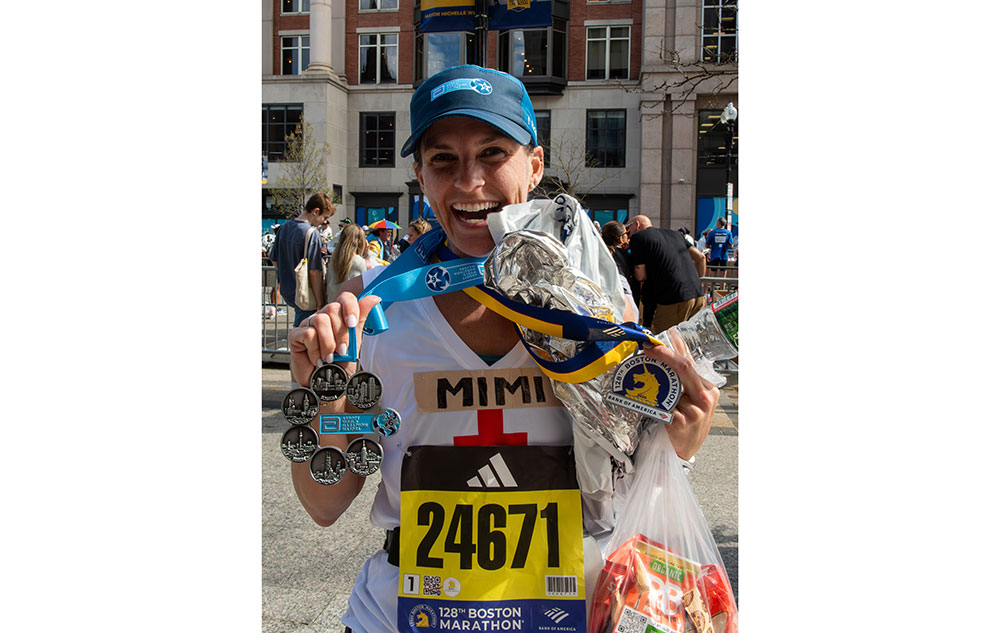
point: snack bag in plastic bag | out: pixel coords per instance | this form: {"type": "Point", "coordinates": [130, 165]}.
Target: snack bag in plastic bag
{"type": "Point", "coordinates": [664, 573]}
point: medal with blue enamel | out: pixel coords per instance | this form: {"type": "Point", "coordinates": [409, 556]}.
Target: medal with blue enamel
{"type": "Point", "coordinates": [646, 386]}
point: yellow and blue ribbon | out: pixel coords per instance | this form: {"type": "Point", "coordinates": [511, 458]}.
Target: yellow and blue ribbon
{"type": "Point", "coordinates": [606, 343]}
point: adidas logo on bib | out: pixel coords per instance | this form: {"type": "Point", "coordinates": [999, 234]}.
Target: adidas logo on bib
{"type": "Point", "coordinates": [494, 474]}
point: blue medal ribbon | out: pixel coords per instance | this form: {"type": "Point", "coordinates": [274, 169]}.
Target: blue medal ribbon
{"type": "Point", "coordinates": [413, 276]}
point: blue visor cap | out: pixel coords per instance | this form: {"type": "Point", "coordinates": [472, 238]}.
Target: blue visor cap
{"type": "Point", "coordinates": [488, 95]}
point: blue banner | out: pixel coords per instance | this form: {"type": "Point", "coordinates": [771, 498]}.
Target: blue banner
{"type": "Point", "coordinates": [518, 14]}
{"type": "Point", "coordinates": [459, 15]}
{"type": "Point", "coordinates": [447, 15]}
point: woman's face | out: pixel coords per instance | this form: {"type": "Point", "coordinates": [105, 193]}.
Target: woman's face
{"type": "Point", "coordinates": [468, 170]}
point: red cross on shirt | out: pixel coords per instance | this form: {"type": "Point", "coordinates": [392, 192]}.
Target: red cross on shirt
{"type": "Point", "coordinates": [491, 433]}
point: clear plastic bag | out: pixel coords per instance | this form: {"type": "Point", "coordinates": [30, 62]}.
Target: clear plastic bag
{"type": "Point", "coordinates": [663, 570]}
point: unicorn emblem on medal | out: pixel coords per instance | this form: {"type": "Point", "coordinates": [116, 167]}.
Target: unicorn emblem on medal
{"type": "Point", "coordinates": [647, 386]}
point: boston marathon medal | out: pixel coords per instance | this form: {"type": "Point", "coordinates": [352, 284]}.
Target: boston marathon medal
{"type": "Point", "coordinates": [647, 386]}
{"type": "Point", "coordinates": [364, 390]}
{"type": "Point", "coordinates": [299, 443]}
{"type": "Point", "coordinates": [363, 457]}
{"type": "Point", "coordinates": [328, 465]}
{"type": "Point", "coordinates": [329, 382]}
{"type": "Point", "coordinates": [300, 406]}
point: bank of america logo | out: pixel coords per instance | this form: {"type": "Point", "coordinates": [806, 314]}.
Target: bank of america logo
{"type": "Point", "coordinates": [494, 474]}
{"type": "Point", "coordinates": [556, 614]}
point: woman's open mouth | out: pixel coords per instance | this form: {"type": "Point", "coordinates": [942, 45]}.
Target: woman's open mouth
{"type": "Point", "coordinates": [475, 212]}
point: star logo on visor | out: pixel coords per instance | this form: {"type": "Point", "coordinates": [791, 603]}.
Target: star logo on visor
{"type": "Point", "coordinates": [437, 279]}
{"type": "Point", "coordinates": [482, 86]}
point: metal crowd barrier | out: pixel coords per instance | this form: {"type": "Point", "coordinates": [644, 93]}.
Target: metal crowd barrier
{"type": "Point", "coordinates": [276, 319]}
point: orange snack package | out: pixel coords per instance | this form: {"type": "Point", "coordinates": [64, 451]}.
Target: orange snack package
{"type": "Point", "coordinates": [646, 588]}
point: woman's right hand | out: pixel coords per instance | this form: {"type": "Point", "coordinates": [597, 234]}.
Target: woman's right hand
{"type": "Point", "coordinates": [326, 333]}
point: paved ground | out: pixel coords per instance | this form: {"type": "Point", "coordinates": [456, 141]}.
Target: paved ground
{"type": "Point", "coordinates": [308, 571]}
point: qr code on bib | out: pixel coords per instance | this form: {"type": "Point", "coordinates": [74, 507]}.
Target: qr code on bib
{"type": "Point", "coordinates": [631, 622]}
{"type": "Point", "coordinates": [432, 585]}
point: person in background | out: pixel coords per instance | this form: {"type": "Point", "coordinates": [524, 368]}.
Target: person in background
{"type": "Point", "coordinates": [686, 232]}
{"type": "Point", "coordinates": [616, 238]}
{"type": "Point", "coordinates": [719, 241]}
{"type": "Point", "coordinates": [326, 234]}
{"type": "Point", "coordinates": [289, 246]}
{"type": "Point", "coordinates": [670, 272]}
{"type": "Point", "coordinates": [414, 229]}
{"type": "Point", "coordinates": [347, 261]}
{"type": "Point", "coordinates": [380, 244]}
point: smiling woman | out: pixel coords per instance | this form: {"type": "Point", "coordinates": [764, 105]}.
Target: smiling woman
{"type": "Point", "coordinates": [475, 147]}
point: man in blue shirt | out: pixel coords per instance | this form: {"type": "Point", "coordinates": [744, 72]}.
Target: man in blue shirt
{"type": "Point", "coordinates": [719, 242]}
{"type": "Point", "coordinates": [289, 247]}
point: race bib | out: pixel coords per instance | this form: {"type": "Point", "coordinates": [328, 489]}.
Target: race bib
{"type": "Point", "coordinates": [491, 539]}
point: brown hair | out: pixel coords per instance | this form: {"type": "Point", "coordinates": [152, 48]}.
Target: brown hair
{"type": "Point", "coordinates": [420, 225]}
{"type": "Point", "coordinates": [320, 201]}
{"type": "Point", "coordinates": [352, 238]}
{"type": "Point", "coordinates": [611, 233]}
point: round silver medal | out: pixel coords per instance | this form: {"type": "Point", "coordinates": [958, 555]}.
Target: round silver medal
{"type": "Point", "coordinates": [364, 390]}
{"type": "Point", "coordinates": [329, 382]}
{"type": "Point", "coordinates": [328, 465]}
{"type": "Point", "coordinates": [299, 443]}
{"type": "Point", "coordinates": [387, 422]}
{"type": "Point", "coordinates": [363, 456]}
{"type": "Point", "coordinates": [300, 406]}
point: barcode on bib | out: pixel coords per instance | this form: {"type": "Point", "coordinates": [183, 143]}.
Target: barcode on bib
{"type": "Point", "coordinates": [560, 586]}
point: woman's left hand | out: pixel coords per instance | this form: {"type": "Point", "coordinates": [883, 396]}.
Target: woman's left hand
{"type": "Point", "coordinates": [693, 413]}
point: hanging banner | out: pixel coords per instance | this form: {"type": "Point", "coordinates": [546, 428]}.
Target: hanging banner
{"type": "Point", "coordinates": [459, 15]}
{"type": "Point", "coordinates": [518, 14]}
{"type": "Point", "coordinates": [447, 15]}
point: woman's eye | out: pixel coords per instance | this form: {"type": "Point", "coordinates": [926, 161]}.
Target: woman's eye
{"type": "Point", "coordinates": [491, 152]}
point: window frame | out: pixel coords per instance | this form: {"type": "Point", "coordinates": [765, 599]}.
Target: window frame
{"type": "Point", "coordinates": [624, 142]}
{"type": "Point", "coordinates": [282, 11]}
{"type": "Point", "coordinates": [379, 9]}
{"type": "Point", "coordinates": [300, 48]}
{"type": "Point", "coordinates": [718, 35]}
{"type": "Point", "coordinates": [266, 144]}
{"type": "Point", "coordinates": [547, 142]}
{"type": "Point", "coordinates": [378, 56]}
{"type": "Point", "coordinates": [607, 39]}
{"type": "Point", "coordinates": [710, 127]}
{"type": "Point", "coordinates": [420, 50]}
{"type": "Point", "coordinates": [505, 48]}
{"type": "Point", "coordinates": [362, 148]}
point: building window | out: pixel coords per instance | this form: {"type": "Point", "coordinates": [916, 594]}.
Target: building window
{"type": "Point", "coordinates": [719, 31]}
{"type": "Point", "coordinates": [378, 5]}
{"type": "Point", "coordinates": [543, 119]}
{"type": "Point", "coordinates": [377, 147]}
{"type": "Point", "coordinates": [294, 54]}
{"type": "Point", "coordinates": [535, 52]}
{"type": "Point", "coordinates": [607, 52]}
{"type": "Point", "coordinates": [294, 6]}
{"type": "Point", "coordinates": [712, 137]}
{"type": "Point", "coordinates": [279, 120]}
{"type": "Point", "coordinates": [606, 138]}
{"type": "Point", "coordinates": [437, 51]}
{"type": "Point", "coordinates": [377, 59]}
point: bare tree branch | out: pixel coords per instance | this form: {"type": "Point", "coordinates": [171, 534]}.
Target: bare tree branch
{"type": "Point", "coordinates": [303, 171]}
{"type": "Point", "coordinates": [571, 169]}
{"type": "Point", "coordinates": [681, 80]}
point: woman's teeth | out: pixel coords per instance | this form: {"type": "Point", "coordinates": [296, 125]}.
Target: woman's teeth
{"type": "Point", "coordinates": [473, 212]}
